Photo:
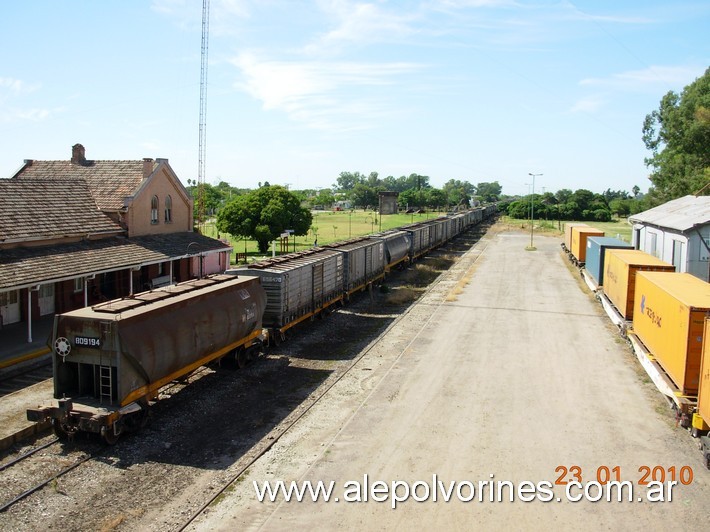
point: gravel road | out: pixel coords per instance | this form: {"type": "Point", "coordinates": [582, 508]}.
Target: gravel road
{"type": "Point", "coordinates": [507, 370]}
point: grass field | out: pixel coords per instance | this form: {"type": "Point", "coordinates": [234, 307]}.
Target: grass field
{"type": "Point", "coordinates": [327, 226]}
{"type": "Point", "coordinates": [617, 228]}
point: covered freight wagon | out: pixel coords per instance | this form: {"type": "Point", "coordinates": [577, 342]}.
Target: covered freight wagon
{"type": "Point", "coordinates": [670, 322]}
{"type": "Point", "coordinates": [420, 240]}
{"type": "Point", "coordinates": [298, 285]}
{"type": "Point", "coordinates": [109, 360]}
{"type": "Point", "coordinates": [620, 269]}
{"type": "Point", "coordinates": [364, 262]}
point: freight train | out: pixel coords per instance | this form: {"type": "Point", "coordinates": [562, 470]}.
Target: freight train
{"type": "Point", "coordinates": [111, 360]}
{"type": "Point", "coordinates": [665, 315]}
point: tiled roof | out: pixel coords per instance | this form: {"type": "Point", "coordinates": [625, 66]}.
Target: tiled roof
{"type": "Point", "coordinates": [680, 214]}
{"type": "Point", "coordinates": [28, 266]}
{"type": "Point", "coordinates": [110, 182]}
{"type": "Point", "coordinates": [40, 209]}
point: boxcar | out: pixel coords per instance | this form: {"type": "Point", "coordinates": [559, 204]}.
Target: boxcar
{"type": "Point", "coordinates": [364, 262]}
{"type": "Point", "coordinates": [298, 286]}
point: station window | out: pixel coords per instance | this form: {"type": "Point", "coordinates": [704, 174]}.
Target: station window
{"type": "Point", "coordinates": [79, 284]}
{"type": "Point", "coordinates": [168, 209]}
{"type": "Point", "coordinates": [8, 298]}
{"type": "Point", "coordinates": [154, 210]}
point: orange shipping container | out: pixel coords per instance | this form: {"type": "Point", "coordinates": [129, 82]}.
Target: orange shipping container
{"type": "Point", "coordinates": [578, 246]}
{"type": "Point", "coordinates": [670, 321]}
{"type": "Point", "coordinates": [704, 388]}
{"type": "Point", "coordinates": [568, 232]}
{"type": "Point", "coordinates": [620, 268]}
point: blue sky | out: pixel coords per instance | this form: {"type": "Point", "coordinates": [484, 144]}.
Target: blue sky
{"type": "Point", "coordinates": [299, 91]}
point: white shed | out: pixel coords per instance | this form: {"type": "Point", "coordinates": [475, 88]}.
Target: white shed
{"type": "Point", "coordinates": [677, 232]}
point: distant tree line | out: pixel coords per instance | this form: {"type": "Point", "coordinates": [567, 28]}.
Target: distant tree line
{"type": "Point", "coordinates": [362, 191]}
{"type": "Point", "coordinates": [581, 204]}
{"type": "Point", "coordinates": [415, 191]}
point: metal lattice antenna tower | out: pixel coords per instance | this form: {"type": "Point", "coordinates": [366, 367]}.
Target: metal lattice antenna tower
{"type": "Point", "coordinates": [203, 114]}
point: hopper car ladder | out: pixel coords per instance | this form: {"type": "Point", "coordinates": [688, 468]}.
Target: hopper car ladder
{"type": "Point", "coordinates": [105, 384]}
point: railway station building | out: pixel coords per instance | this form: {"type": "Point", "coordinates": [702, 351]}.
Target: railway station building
{"type": "Point", "coordinates": [77, 232]}
{"type": "Point", "coordinates": [677, 232]}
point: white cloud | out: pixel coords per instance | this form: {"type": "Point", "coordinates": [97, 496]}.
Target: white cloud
{"type": "Point", "coordinates": [318, 93]}
{"type": "Point", "coordinates": [576, 13]}
{"type": "Point", "coordinates": [637, 80]}
{"type": "Point", "coordinates": [10, 115]}
{"type": "Point", "coordinates": [17, 86]}
{"type": "Point", "coordinates": [358, 22]}
{"type": "Point", "coordinates": [589, 104]}
{"type": "Point", "coordinates": [458, 4]}
{"type": "Point", "coordinates": [187, 14]}
{"type": "Point", "coordinates": [35, 115]}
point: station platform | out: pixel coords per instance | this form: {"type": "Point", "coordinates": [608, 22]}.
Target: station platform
{"type": "Point", "coordinates": [18, 354]}
{"type": "Point", "coordinates": [16, 349]}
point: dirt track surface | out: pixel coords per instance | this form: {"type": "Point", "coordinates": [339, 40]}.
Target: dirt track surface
{"type": "Point", "coordinates": [518, 374]}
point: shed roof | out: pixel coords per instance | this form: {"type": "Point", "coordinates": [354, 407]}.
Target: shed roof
{"type": "Point", "coordinates": [681, 214]}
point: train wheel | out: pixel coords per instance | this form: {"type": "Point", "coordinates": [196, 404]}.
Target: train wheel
{"type": "Point", "coordinates": [109, 436]}
{"type": "Point", "coordinates": [252, 353]}
{"type": "Point", "coordinates": [59, 431]}
{"type": "Point", "coordinates": [242, 358]}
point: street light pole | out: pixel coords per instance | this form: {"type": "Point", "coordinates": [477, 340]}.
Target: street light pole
{"type": "Point", "coordinates": [532, 209]}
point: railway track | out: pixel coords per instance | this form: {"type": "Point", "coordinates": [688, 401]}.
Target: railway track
{"type": "Point", "coordinates": [273, 438]}
{"type": "Point", "coordinates": [154, 450]}
{"type": "Point", "coordinates": [39, 470]}
{"type": "Point", "coordinates": [19, 379]}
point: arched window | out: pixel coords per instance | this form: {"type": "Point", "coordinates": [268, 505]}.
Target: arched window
{"type": "Point", "coordinates": [154, 210]}
{"type": "Point", "coordinates": [168, 209]}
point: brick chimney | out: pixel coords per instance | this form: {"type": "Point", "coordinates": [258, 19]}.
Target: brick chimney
{"type": "Point", "coordinates": [78, 154]}
{"type": "Point", "coordinates": [147, 167]}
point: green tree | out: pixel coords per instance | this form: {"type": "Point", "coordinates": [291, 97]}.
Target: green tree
{"type": "Point", "coordinates": [412, 198]}
{"type": "Point", "coordinates": [212, 196]}
{"type": "Point", "coordinates": [264, 214]}
{"type": "Point", "coordinates": [364, 195]}
{"type": "Point", "coordinates": [678, 136]}
{"type": "Point", "coordinates": [458, 192]}
{"type": "Point", "coordinates": [620, 207]}
{"type": "Point", "coordinates": [436, 197]}
{"type": "Point", "coordinates": [347, 180]}
{"type": "Point", "coordinates": [325, 197]}
{"type": "Point", "coordinates": [489, 192]}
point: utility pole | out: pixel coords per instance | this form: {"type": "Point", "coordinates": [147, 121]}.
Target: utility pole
{"type": "Point", "coordinates": [532, 211]}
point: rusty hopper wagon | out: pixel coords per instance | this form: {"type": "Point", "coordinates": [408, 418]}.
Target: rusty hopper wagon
{"type": "Point", "coordinates": [111, 359]}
